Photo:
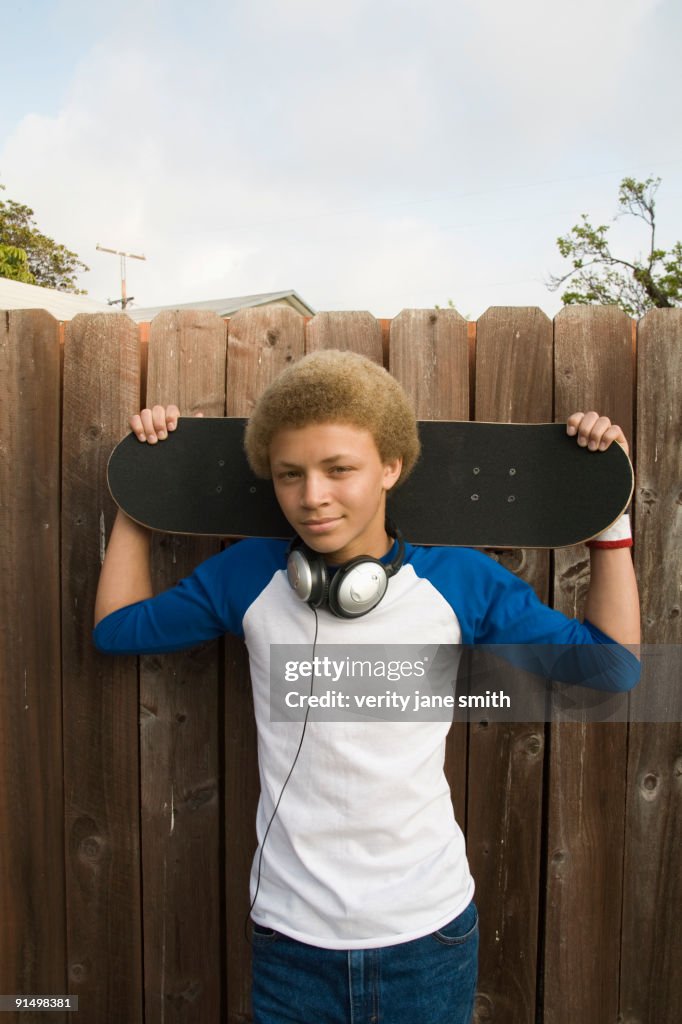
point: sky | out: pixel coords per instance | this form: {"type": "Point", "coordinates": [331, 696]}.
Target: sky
{"type": "Point", "coordinates": [367, 154]}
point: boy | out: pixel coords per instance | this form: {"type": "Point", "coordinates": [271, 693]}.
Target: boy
{"type": "Point", "coordinates": [362, 902]}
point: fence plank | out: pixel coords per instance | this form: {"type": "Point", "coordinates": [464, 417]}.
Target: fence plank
{"type": "Point", "coordinates": [101, 768]}
{"type": "Point", "coordinates": [429, 356]}
{"type": "Point", "coordinates": [354, 332]}
{"type": "Point", "coordinates": [651, 983]}
{"type": "Point", "coordinates": [261, 343]}
{"type": "Point", "coordinates": [593, 370]}
{"type": "Point", "coordinates": [179, 738]}
{"type": "Point", "coordinates": [32, 938]}
{"type": "Point", "coordinates": [513, 384]}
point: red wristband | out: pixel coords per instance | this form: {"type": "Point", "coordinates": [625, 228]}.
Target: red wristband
{"type": "Point", "coordinates": [618, 535]}
{"type": "Point", "coordinates": [606, 545]}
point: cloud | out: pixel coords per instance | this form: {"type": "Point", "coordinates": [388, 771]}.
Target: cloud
{"type": "Point", "coordinates": [259, 146]}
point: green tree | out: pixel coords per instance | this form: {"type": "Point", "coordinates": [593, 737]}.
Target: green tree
{"type": "Point", "coordinates": [451, 305]}
{"type": "Point", "coordinates": [28, 255]}
{"type": "Point", "coordinates": [598, 276]}
{"type": "Point", "coordinates": [14, 264]}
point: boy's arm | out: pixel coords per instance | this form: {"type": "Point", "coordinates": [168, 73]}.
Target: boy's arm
{"type": "Point", "coordinates": [612, 602]}
{"type": "Point", "coordinates": [126, 573]}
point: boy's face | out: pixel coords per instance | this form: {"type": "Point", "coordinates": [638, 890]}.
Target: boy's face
{"type": "Point", "coordinates": [331, 485]}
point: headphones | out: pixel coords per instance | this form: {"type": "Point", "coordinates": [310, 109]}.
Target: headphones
{"type": "Point", "coordinates": [353, 590]}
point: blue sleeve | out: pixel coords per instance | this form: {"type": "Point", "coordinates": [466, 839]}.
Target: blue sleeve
{"type": "Point", "coordinates": [207, 604]}
{"type": "Point", "coordinates": [493, 606]}
{"type": "Point", "coordinates": [543, 640]}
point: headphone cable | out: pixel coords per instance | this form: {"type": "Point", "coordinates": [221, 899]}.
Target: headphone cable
{"type": "Point", "coordinates": [284, 786]}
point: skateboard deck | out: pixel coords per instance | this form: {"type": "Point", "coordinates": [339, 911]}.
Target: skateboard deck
{"type": "Point", "coordinates": [485, 485]}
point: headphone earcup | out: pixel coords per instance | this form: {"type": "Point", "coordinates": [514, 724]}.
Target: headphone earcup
{"type": "Point", "coordinates": [357, 587]}
{"type": "Point", "coordinates": [307, 575]}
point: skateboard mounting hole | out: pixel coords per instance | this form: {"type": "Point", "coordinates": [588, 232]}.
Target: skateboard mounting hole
{"type": "Point", "coordinates": [474, 497]}
{"type": "Point", "coordinates": [511, 498]}
{"type": "Point", "coordinates": [218, 490]}
{"type": "Point", "coordinates": [221, 462]}
{"type": "Point", "coordinates": [476, 470]}
{"type": "Point", "coordinates": [252, 490]}
{"type": "Point", "coordinates": [512, 472]}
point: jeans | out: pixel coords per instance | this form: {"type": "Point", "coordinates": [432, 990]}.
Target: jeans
{"type": "Point", "coordinates": [431, 980]}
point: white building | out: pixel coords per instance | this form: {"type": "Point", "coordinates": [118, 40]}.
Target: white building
{"type": "Point", "coordinates": [65, 305]}
{"type": "Point", "coordinates": [62, 305]}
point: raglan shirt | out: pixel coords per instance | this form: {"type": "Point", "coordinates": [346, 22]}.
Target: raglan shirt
{"type": "Point", "coordinates": [364, 850]}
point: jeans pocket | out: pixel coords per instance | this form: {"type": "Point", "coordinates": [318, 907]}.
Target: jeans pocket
{"type": "Point", "coordinates": [460, 928]}
{"type": "Point", "coordinates": [261, 934]}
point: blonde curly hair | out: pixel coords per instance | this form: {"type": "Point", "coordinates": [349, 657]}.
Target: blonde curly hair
{"type": "Point", "coordinates": [335, 387]}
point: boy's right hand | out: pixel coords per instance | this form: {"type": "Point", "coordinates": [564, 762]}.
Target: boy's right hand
{"type": "Point", "coordinates": [154, 424]}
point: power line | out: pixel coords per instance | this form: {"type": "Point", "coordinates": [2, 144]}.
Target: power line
{"type": "Point", "coordinates": [439, 197]}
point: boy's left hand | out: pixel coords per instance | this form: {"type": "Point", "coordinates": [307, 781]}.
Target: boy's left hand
{"type": "Point", "coordinates": [594, 431]}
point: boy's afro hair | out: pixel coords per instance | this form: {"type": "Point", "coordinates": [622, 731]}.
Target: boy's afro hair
{"type": "Point", "coordinates": [335, 387]}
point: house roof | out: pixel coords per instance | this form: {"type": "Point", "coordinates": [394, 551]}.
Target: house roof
{"type": "Point", "coordinates": [66, 305]}
{"type": "Point", "coordinates": [225, 307]}
{"type": "Point", "coordinates": [62, 305]}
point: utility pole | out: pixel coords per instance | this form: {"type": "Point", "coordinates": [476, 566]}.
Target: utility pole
{"type": "Point", "coordinates": [124, 300]}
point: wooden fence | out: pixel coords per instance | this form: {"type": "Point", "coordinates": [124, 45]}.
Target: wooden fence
{"type": "Point", "coordinates": [128, 786]}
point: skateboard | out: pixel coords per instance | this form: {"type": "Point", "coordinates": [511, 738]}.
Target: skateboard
{"type": "Point", "coordinates": [483, 485]}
